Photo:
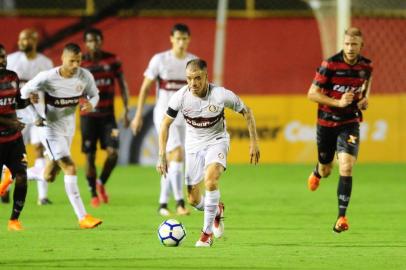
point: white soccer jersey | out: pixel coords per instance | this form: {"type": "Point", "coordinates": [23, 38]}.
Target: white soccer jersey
{"type": "Point", "coordinates": [169, 72]}
{"type": "Point", "coordinates": [205, 123]}
{"type": "Point", "coordinates": [25, 68]}
{"type": "Point", "coordinates": [62, 96]}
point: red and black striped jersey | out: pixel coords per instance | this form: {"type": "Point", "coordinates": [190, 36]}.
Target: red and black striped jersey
{"type": "Point", "coordinates": [106, 69]}
{"type": "Point", "coordinates": [335, 77]}
{"type": "Point", "coordinates": [10, 100]}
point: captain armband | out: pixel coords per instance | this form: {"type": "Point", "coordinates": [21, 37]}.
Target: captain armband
{"type": "Point", "coordinates": [171, 112]}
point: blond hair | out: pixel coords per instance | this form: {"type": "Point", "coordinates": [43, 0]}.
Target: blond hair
{"type": "Point", "coordinates": [353, 32]}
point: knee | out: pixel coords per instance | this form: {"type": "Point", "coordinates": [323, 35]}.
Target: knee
{"type": "Point", "coordinates": [70, 169]}
{"type": "Point", "coordinates": [50, 176]}
{"type": "Point", "coordinates": [346, 169]}
{"type": "Point", "coordinates": [193, 200]}
{"type": "Point", "coordinates": [21, 179]}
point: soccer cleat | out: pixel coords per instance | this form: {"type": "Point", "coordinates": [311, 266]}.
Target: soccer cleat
{"type": "Point", "coordinates": [5, 184]}
{"type": "Point", "coordinates": [341, 225]}
{"type": "Point", "coordinates": [44, 201]}
{"type": "Point", "coordinates": [164, 212]}
{"type": "Point", "coordinates": [102, 192]}
{"type": "Point", "coordinates": [14, 225]}
{"type": "Point", "coordinates": [95, 202]}
{"type": "Point", "coordinates": [89, 222]}
{"type": "Point", "coordinates": [313, 182]}
{"type": "Point", "coordinates": [182, 211]}
{"type": "Point", "coordinates": [205, 240]}
{"type": "Point", "coordinates": [218, 225]}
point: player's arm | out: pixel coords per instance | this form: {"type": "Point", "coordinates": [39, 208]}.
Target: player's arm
{"type": "Point", "coordinates": [252, 130]}
{"type": "Point", "coordinates": [29, 95]}
{"type": "Point", "coordinates": [366, 89]}
{"type": "Point", "coordinates": [316, 94]}
{"type": "Point", "coordinates": [124, 95]}
{"type": "Point", "coordinates": [162, 165]}
{"type": "Point", "coordinates": [92, 95]}
{"type": "Point", "coordinates": [136, 123]}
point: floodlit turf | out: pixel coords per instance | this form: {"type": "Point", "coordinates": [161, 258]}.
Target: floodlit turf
{"type": "Point", "coordinates": [272, 222]}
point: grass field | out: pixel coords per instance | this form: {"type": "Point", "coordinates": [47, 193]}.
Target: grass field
{"type": "Point", "coordinates": [272, 222]}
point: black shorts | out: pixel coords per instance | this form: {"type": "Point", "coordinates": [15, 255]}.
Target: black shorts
{"type": "Point", "coordinates": [13, 155]}
{"type": "Point", "coordinates": [343, 138]}
{"type": "Point", "coordinates": [98, 128]}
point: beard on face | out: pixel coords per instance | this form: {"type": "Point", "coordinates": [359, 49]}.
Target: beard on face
{"type": "Point", "coordinates": [27, 48]}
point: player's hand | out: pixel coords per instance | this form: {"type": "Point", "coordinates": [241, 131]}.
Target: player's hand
{"type": "Point", "coordinates": [254, 153]}
{"type": "Point", "coordinates": [40, 122]}
{"type": "Point", "coordinates": [86, 106]}
{"type": "Point", "coordinates": [363, 104]}
{"type": "Point", "coordinates": [162, 165]}
{"type": "Point", "coordinates": [34, 98]}
{"type": "Point", "coordinates": [136, 124]}
{"type": "Point", "coordinates": [346, 99]}
{"type": "Point", "coordinates": [126, 120]}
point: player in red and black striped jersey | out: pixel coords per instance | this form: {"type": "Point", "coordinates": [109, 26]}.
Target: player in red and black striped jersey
{"type": "Point", "coordinates": [12, 148]}
{"type": "Point", "coordinates": [341, 88]}
{"type": "Point", "coordinates": [100, 124]}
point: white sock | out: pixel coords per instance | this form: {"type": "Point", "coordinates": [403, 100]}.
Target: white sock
{"type": "Point", "coordinates": [42, 188]}
{"type": "Point", "coordinates": [175, 172]}
{"type": "Point", "coordinates": [211, 202]}
{"type": "Point", "coordinates": [33, 173]}
{"type": "Point", "coordinates": [165, 190]}
{"type": "Point", "coordinates": [72, 190]}
{"type": "Point", "coordinates": [200, 205]}
{"type": "Point", "coordinates": [40, 163]}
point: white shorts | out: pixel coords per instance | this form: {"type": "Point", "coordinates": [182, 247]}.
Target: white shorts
{"type": "Point", "coordinates": [176, 136]}
{"type": "Point", "coordinates": [196, 163]}
{"type": "Point", "coordinates": [56, 146]}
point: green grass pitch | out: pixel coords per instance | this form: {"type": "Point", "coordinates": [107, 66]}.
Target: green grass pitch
{"type": "Point", "coordinates": [272, 222]}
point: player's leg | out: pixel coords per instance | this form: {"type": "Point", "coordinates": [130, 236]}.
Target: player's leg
{"type": "Point", "coordinates": [89, 130]}
{"type": "Point", "coordinates": [194, 179]}
{"type": "Point", "coordinates": [39, 165]}
{"type": "Point", "coordinates": [347, 148]}
{"type": "Point", "coordinates": [326, 147]}
{"type": "Point", "coordinates": [17, 162]}
{"type": "Point", "coordinates": [72, 190]}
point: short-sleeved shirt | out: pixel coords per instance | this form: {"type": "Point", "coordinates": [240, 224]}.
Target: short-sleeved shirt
{"type": "Point", "coordinates": [62, 96]}
{"type": "Point", "coordinates": [335, 77]}
{"type": "Point", "coordinates": [205, 122]}
{"type": "Point", "coordinates": [9, 101]}
{"type": "Point", "coordinates": [105, 71]}
{"type": "Point", "coordinates": [169, 72]}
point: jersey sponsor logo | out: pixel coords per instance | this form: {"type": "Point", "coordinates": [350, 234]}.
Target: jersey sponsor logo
{"type": "Point", "coordinates": [62, 102]}
{"type": "Point", "coordinates": [347, 88]}
{"type": "Point", "coordinates": [104, 81]}
{"type": "Point", "coordinates": [7, 101]}
{"type": "Point", "coordinates": [171, 85]}
{"type": "Point", "coordinates": [204, 122]}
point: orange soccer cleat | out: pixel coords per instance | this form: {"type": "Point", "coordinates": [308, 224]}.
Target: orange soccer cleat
{"type": "Point", "coordinates": [341, 225]}
{"type": "Point", "coordinates": [14, 225]}
{"type": "Point", "coordinates": [313, 182]}
{"type": "Point", "coordinates": [95, 202]}
{"type": "Point", "coordinates": [205, 240]}
{"type": "Point", "coordinates": [102, 192]}
{"type": "Point", "coordinates": [89, 222]}
{"type": "Point", "coordinates": [6, 181]}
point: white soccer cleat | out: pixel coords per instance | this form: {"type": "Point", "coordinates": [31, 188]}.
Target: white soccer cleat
{"type": "Point", "coordinates": [164, 212]}
{"type": "Point", "coordinates": [218, 225]}
{"type": "Point", "coordinates": [205, 240]}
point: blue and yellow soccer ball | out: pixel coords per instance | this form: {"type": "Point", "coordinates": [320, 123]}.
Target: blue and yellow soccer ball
{"type": "Point", "coordinates": [171, 233]}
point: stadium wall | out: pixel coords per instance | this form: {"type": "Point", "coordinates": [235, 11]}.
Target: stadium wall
{"type": "Point", "coordinates": [270, 62]}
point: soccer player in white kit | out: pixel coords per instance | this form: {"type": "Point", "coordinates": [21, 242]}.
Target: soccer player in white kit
{"type": "Point", "coordinates": [207, 142]}
{"type": "Point", "coordinates": [27, 63]}
{"type": "Point", "coordinates": [167, 69]}
{"type": "Point", "coordinates": [63, 86]}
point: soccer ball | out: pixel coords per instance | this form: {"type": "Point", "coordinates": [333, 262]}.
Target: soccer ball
{"type": "Point", "coordinates": [171, 233]}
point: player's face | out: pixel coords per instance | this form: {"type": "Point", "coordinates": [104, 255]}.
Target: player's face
{"type": "Point", "coordinates": [3, 59]}
{"type": "Point", "coordinates": [180, 41]}
{"type": "Point", "coordinates": [27, 41]}
{"type": "Point", "coordinates": [197, 81]}
{"type": "Point", "coordinates": [93, 42]}
{"type": "Point", "coordinates": [352, 48]}
{"type": "Point", "coordinates": [71, 62]}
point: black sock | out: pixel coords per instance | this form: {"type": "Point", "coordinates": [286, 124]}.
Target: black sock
{"type": "Point", "coordinates": [91, 181]}
{"type": "Point", "coordinates": [108, 167]}
{"type": "Point", "coordinates": [181, 203]}
{"type": "Point", "coordinates": [344, 194]}
{"type": "Point", "coordinates": [316, 171]}
{"type": "Point", "coordinates": [163, 205]}
{"type": "Point", "coordinates": [20, 192]}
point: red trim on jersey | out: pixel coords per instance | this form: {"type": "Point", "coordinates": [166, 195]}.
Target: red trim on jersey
{"type": "Point", "coordinates": [171, 85]}
{"type": "Point", "coordinates": [9, 138]}
{"type": "Point", "coordinates": [326, 123]}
